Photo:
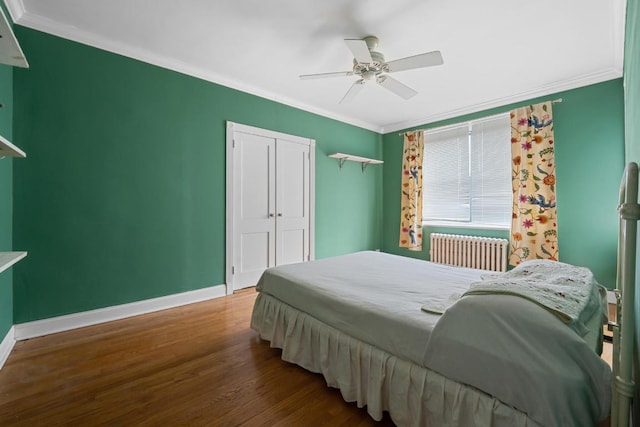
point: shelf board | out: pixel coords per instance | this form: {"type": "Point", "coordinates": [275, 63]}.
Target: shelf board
{"type": "Point", "coordinates": [7, 149]}
{"type": "Point", "coordinates": [7, 259]}
{"type": "Point", "coordinates": [356, 158]}
{"type": "Point", "coordinates": [10, 51]}
{"type": "Point", "coordinates": [365, 161]}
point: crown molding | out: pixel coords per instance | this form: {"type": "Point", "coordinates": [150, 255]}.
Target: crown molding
{"type": "Point", "coordinates": [36, 22]}
{"type": "Point", "coordinates": [24, 18]}
{"type": "Point", "coordinates": [16, 9]}
{"type": "Point", "coordinates": [550, 89]}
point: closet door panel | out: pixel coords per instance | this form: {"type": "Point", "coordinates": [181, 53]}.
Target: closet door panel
{"type": "Point", "coordinates": [292, 245]}
{"type": "Point", "coordinates": [292, 202]}
{"type": "Point", "coordinates": [254, 174]}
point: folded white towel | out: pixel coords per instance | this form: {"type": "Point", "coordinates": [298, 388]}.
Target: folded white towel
{"type": "Point", "coordinates": [439, 307]}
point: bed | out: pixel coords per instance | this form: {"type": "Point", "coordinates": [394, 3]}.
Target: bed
{"type": "Point", "coordinates": [435, 345]}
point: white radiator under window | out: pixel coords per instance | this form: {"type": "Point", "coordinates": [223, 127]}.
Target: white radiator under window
{"type": "Point", "coordinates": [469, 251]}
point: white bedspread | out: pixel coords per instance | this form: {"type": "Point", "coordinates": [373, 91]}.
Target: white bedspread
{"type": "Point", "coordinates": [503, 345]}
{"type": "Point", "coordinates": [352, 294]}
{"type": "Point", "coordinates": [525, 356]}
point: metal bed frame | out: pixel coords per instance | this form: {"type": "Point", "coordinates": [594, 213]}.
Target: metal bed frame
{"type": "Point", "coordinates": [623, 328]}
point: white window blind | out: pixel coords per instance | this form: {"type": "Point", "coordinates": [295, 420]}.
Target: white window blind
{"type": "Point", "coordinates": [467, 173]}
{"type": "Point", "coordinates": [445, 175]}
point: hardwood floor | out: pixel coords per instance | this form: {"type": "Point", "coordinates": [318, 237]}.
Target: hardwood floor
{"type": "Point", "coordinates": [199, 364]}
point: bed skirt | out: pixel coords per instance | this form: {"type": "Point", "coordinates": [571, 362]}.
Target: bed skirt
{"type": "Point", "coordinates": [412, 394]}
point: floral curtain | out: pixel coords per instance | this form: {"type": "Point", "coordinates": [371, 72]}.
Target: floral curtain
{"type": "Point", "coordinates": [534, 223]}
{"type": "Point", "coordinates": [411, 213]}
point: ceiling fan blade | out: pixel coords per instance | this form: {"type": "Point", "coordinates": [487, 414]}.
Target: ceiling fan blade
{"type": "Point", "coordinates": [324, 75]}
{"type": "Point", "coordinates": [355, 88]}
{"type": "Point", "coordinates": [418, 61]}
{"type": "Point", "coordinates": [359, 49]}
{"type": "Point", "coordinates": [396, 87]}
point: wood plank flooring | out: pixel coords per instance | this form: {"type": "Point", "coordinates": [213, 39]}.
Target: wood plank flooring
{"type": "Point", "coordinates": [197, 365]}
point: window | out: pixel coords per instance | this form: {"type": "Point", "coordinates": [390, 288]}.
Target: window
{"type": "Point", "coordinates": [467, 174]}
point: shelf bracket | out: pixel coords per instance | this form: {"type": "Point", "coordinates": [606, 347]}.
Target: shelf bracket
{"type": "Point", "coordinates": [341, 162]}
{"type": "Point", "coordinates": [364, 166]}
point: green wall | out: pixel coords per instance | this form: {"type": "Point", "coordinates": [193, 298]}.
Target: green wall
{"type": "Point", "coordinates": [589, 135]}
{"type": "Point", "coordinates": [122, 197]}
{"type": "Point", "coordinates": [632, 140]}
{"type": "Point", "coordinates": [6, 184]}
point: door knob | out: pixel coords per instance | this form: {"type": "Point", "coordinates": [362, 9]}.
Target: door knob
{"type": "Point", "coordinates": [270, 215]}
{"type": "Point", "coordinates": [279, 214]}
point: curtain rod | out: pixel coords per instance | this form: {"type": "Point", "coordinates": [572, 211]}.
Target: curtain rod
{"type": "Point", "coordinates": [555, 101]}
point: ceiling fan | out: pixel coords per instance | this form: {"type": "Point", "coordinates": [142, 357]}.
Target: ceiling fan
{"type": "Point", "coordinates": [369, 64]}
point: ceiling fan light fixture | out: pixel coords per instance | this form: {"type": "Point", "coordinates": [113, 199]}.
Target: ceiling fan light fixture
{"type": "Point", "coordinates": [369, 74]}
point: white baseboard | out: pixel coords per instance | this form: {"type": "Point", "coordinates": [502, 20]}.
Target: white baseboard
{"type": "Point", "coordinates": [38, 328]}
{"type": "Point", "coordinates": [6, 346]}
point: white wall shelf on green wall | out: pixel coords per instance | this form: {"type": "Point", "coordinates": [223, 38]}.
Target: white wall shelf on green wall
{"type": "Point", "coordinates": [7, 149]}
{"type": "Point", "coordinates": [10, 51]}
{"type": "Point", "coordinates": [364, 161]}
{"type": "Point", "coordinates": [7, 259]}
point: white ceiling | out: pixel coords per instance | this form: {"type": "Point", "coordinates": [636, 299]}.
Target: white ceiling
{"type": "Point", "coordinates": [495, 51]}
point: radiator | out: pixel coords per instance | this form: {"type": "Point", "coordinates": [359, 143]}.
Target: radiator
{"type": "Point", "coordinates": [469, 251]}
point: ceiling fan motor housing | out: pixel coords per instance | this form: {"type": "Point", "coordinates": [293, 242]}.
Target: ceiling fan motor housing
{"type": "Point", "coordinates": [369, 70]}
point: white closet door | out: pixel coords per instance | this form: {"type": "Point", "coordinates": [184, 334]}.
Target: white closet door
{"type": "Point", "coordinates": [254, 207]}
{"type": "Point", "coordinates": [269, 202]}
{"type": "Point", "coordinates": [292, 202]}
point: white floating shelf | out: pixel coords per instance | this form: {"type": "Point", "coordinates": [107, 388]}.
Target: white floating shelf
{"type": "Point", "coordinates": [10, 51]}
{"type": "Point", "coordinates": [365, 161]}
{"type": "Point", "coordinates": [7, 149]}
{"type": "Point", "coordinates": [7, 259]}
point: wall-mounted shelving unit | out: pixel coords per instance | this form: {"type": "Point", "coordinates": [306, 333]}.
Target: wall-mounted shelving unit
{"type": "Point", "coordinates": [364, 161]}
{"type": "Point", "coordinates": [7, 149]}
{"type": "Point", "coordinates": [7, 259]}
{"type": "Point", "coordinates": [10, 50]}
